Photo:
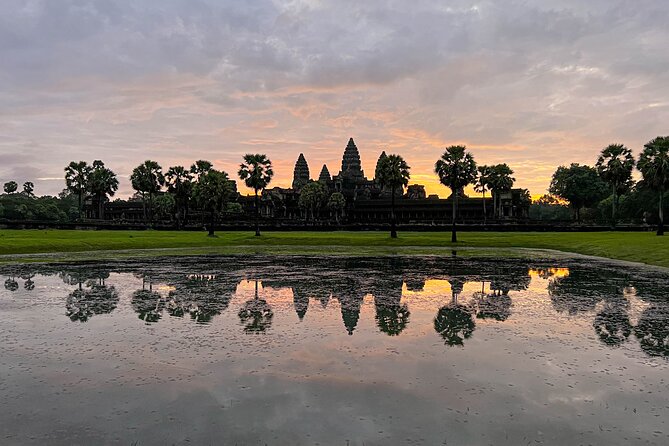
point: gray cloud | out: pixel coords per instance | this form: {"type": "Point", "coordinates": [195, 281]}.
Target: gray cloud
{"type": "Point", "coordinates": [536, 83]}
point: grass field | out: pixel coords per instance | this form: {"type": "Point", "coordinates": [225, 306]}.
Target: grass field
{"type": "Point", "coordinates": [644, 247]}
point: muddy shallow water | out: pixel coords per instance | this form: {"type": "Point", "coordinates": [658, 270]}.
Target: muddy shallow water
{"type": "Point", "coordinates": [334, 351]}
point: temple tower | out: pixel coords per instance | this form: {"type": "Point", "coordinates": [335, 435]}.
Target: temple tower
{"type": "Point", "coordinates": [301, 173]}
{"type": "Point", "coordinates": [378, 165]}
{"type": "Point", "coordinates": [325, 177]}
{"type": "Point", "coordinates": [350, 164]}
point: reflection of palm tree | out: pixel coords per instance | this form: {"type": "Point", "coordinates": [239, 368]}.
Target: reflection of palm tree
{"type": "Point", "coordinates": [148, 304]}
{"type": "Point", "coordinates": [256, 314]}
{"type": "Point", "coordinates": [653, 330]}
{"type": "Point", "coordinates": [454, 321]}
{"type": "Point", "coordinates": [200, 296]}
{"type": "Point", "coordinates": [492, 306]}
{"type": "Point", "coordinates": [392, 319]}
{"type": "Point", "coordinates": [83, 304]}
{"type": "Point", "coordinates": [612, 324]}
{"type": "Point", "coordinates": [11, 284]}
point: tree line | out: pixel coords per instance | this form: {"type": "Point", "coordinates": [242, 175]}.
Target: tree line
{"type": "Point", "coordinates": [211, 191]}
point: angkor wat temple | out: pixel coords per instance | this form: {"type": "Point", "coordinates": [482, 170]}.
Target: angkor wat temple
{"type": "Point", "coordinates": [368, 203]}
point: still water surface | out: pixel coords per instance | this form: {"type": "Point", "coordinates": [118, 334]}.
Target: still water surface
{"type": "Point", "coordinates": [334, 351]}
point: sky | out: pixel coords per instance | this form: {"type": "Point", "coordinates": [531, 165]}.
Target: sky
{"type": "Point", "coordinates": [535, 84]}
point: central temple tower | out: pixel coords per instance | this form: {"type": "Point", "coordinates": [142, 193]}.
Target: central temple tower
{"type": "Point", "coordinates": [351, 168]}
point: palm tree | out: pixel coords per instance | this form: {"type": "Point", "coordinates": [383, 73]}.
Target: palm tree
{"type": "Point", "coordinates": [456, 169]}
{"type": "Point", "coordinates": [256, 171]}
{"type": "Point", "coordinates": [180, 183]}
{"type": "Point", "coordinates": [29, 188]}
{"type": "Point", "coordinates": [500, 180]}
{"type": "Point", "coordinates": [147, 179]}
{"type": "Point", "coordinates": [392, 172]}
{"type": "Point", "coordinates": [200, 167]}
{"type": "Point", "coordinates": [654, 166]}
{"type": "Point", "coordinates": [482, 184]}
{"type": "Point", "coordinates": [103, 183]}
{"type": "Point", "coordinates": [212, 192]}
{"type": "Point", "coordinates": [76, 179]}
{"type": "Point", "coordinates": [615, 165]}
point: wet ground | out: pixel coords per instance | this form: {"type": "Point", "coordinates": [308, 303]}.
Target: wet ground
{"type": "Point", "coordinates": [334, 351]}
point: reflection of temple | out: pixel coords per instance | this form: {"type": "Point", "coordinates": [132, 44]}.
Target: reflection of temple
{"type": "Point", "coordinates": [367, 202]}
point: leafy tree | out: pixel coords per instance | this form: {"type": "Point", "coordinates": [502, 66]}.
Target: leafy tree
{"type": "Point", "coordinates": [257, 173]}
{"type": "Point", "coordinates": [212, 192]}
{"type": "Point", "coordinates": [580, 185]}
{"type": "Point", "coordinates": [29, 189]}
{"type": "Point", "coordinates": [392, 172]}
{"type": "Point", "coordinates": [102, 184]}
{"type": "Point", "coordinates": [77, 180]}
{"type": "Point", "coordinates": [165, 205]}
{"type": "Point", "coordinates": [147, 179]}
{"type": "Point", "coordinates": [654, 166]}
{"type": "Point", "coordinates": [500, 180]}
{"type": "Point", "coordinates": [456, 169]}
{"type": "Point", "coordinates": [337, 204]}
{"type": "Point", "coordinates": [482, 184]}
{"type": "Point", "coordinates": [615, 165]}
{"type": "Point", "coordinates": [180, 184]}
{"type": "Point", "coordinates": [10, 187]}
{"type": "Point", "coordinates": [312, 197]}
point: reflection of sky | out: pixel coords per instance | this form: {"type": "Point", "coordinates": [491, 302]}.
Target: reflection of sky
{"type": "Point", "coordinates": [538, 375]}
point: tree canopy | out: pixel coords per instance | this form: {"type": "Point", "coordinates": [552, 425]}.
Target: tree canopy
{"type": "Point", "coordinates": [580, 185]}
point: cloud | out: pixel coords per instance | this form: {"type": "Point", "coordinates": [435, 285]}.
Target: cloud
{"type": "Point", "coordinates": [529, 83]}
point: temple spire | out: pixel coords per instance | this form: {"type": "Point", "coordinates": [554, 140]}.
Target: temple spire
{"type": "Point", "coordinates": [350, 163]}
{"type": "Point", "coordinates": [301, 172]}
{"type": "Point", "coordinates": [325, 177]}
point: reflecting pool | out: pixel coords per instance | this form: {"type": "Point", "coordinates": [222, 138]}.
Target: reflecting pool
{"type": "Point", "coordinates": [334, 351]}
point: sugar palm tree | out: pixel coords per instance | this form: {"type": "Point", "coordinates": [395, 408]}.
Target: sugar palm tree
{"type": "Point", "coordinates": [103, 184]}
{"type": "Point", "coordinates": [500, 180]}
{"type": "Point", "coordinates": [615, 165]}
{"type": "Point", "coordinates": [456, 169]}
{"type": "Point", "coordinates": [654, 166]}
{"type": "Point", "coordinates": [392, 172]}
{"type": "Point", "coordinates": [482, 184]}
{"type": "Point", "coordinates": [180, 183]}
{"type": "Point", "coordinates": [76, 179]}
{"type": "Point", "coordinates": [147, 179]}
{"type": "Point", "coordinates": [256, 171]}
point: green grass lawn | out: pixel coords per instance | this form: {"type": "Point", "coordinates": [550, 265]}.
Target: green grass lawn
{"type": "Point", "coordinates": [644, 247]}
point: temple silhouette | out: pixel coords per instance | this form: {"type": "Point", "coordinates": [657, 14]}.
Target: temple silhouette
{"type": "Point", "coordinates": [368, 202]}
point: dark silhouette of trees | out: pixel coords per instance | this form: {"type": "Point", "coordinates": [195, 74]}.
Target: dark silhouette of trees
{"type": "Point", "coordinates": [147, 179]}
{"type": "Point", "coordinates": [392, 172]}
{"type": "Point", "coordinates": [612, 323]}
{"type": "Point", "coordinates": [76, 180]}
{"type": "Point", "coordinates": [200, 296]}
{"type": "Point", "coordinates": [337, 204]}
{"type": "Point", "coordinates": [256, 172]}
{"type": "Point", "coordinates": [456, 169]}
{"type": "Point", "coordinates": [148, 304]}
{"type": "Point", "coordinates": [10, 187]}
{"type": "Point", "coordinates": [82, 304]}
{"type": "Point", "coordinates": [454, 321]}
{"type": "Point", "coordinates": [652, 330]}
{"type": "Point", "coordinates": [180, 184]}
{"type": "Point", "coordinates": [482, 184]}
{"type": "Point", "coordinates": [654, 166]}
{"type": "Point", "coordinates": [580, 185]}
{"type": "Point", "coordinates": [256, 315]}
{"type": "Point", "coordinates": [212, 192]}
{"type": "Point", "coordinates": [29, 189]}
{"type": "Point", "coordinates": [102, 185]}
{"type": "Point", "coordinates": [499, 180]}
{"type": "Point", "coordinates": [312, 198]}
{"type": "Point", "coordinates": [615, 165]}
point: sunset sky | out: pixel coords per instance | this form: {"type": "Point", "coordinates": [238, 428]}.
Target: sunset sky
{"type": "Point", "coordinates": [534, 84]}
